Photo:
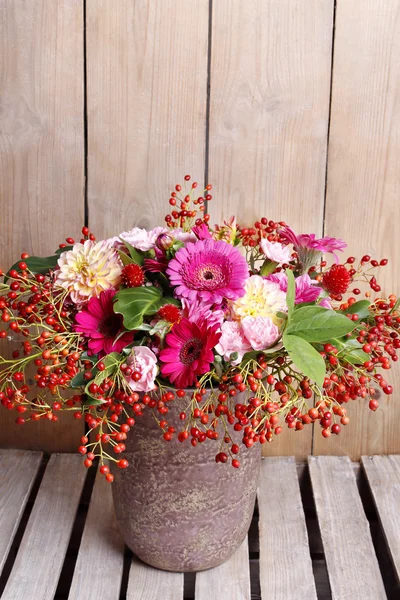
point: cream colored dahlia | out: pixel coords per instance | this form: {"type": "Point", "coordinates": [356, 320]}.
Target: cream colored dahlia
{"type": "Point", "coordinates": [262, 298]}
{"type": "Point", "coordinates": [88, 269]}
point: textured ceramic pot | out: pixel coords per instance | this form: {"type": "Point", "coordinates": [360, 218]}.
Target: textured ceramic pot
{"type": "Point", "coordinates": [178, 509]}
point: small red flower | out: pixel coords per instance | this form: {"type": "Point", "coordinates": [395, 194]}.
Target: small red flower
{"type": "Point", "coordinates": [336, 280]}
{"type": "Point", "coordinates": [132, 276]}
{"type": "Point", "coordinates": [170, 313]}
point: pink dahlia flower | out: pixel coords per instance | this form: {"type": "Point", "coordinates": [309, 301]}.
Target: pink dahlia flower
{"type": "Point", "coordinates": [142, 360]}
{"type": "Point", "coordinates": [101, 325]}
{"type": "Point", "coordinates": [232, 340]}
{"type": "Point", "coordinates": [188, 352]}
{"type": "Point", "coordinates": [260, 332]}
{"type": "Point", "coordinates": [208, 270]}
{"type": "Point", "coordinates": [310, 249]}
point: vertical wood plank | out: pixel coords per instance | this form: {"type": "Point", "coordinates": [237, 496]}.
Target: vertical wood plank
{"type": "Point", "coordinates": [364, 182]}
{"type": "Point", "coordinates": [147, 85]}
{"type": "Point", "coordinates": [350, 556]}
{"type": "Point", "coordinates": [229, 580]}
{"type": "Point", "coordinates": [18, 470]}
{"type": "Point", "coordinates": [148, 583]}
{"type": "Point", "coordinates": [98, 569]}
{"type": "Point", "coordinates": [285, 561]}
{"type": "Point", "coordinates": [383, 474]}
{"type": "Point", "coordinates": [41, 555]}
{"type": "Point", "coordinates": [41, 154]}
{"type": "Point", "coordinates": [269, 107]}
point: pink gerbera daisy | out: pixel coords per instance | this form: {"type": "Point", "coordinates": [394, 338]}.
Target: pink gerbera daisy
{"type": "Point", "coordinates": [101, 325]}
{"type": "Point", "coordinates": [188, 352]}
{"type": "Point", "coordinates": [208, 270]}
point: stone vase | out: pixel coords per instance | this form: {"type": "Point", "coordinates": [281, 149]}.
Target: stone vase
{"type": "Point", "coordinates": [177, 509]}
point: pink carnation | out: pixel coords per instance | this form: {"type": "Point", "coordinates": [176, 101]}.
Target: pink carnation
{"type": "Point", "coordinates": [141, 238]}
{"type": "Point", "coordinates": [142, 360]}
{"type": "Point", "coordinates": [232, 340]}
{"type": "Point", "coordinates": [260, 332]}
{"type": "Point", "coordinates": [275, 251]}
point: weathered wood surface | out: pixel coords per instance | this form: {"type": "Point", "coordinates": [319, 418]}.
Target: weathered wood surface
{"type": "Point", "coordinates": [41, 159]}
{"type": "Point", "coordinates": [362, 204]}
{"type": "Point", "coordinates": [350, 556]}
{"type": "Point", "coordinates": [147, 583]}
{"type": "Point", "coordinates": [229, 580]}
{"type": "Point", "coordinates": [147, 97]}
{"type": "Point", "coordinates": [43, 547]}
{"type": "Point", "coordinates": [383, 474]}
{"type": "Point", "coordinates": [285, 562]}
{"type": "Point", "coordinates": [18, 470]}
{"type": "Point", "coordinates": [98, 569]}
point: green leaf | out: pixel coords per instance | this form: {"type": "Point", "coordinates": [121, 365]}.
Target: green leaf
{"type": "Point", "coordinates": [291, 292]}
{"type": "Point", "coordinates": [305, 357]}
{"type": "Point", "coordinates": [317, 324]}
{"type": "Point", "coordinates": [134, 303]}
{"type": "Point", "coordinates": [356, 356]}
{"type": "Point", "coordinates": [361, 308]}
{"type": "Point", "coordinates": [36, 264]}
{"type": "Point", "coordinates": [61, 250]}
{"type": "Point", "coordinates": [79, 380]}
{"type": "Point", "coordinates": [136, 256]}
{"type": "Point", "coordinates": [125, 259]}
{"type": "Point", "coordinates": [268, 267]}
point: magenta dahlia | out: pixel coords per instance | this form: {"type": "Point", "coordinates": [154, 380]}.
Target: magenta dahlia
{"type": "Point", "coordinates": [208, 270]}
{"type": "Point", "coordinates": [101, 325]}
{"type": "Point", "coordinates": [188, 352]}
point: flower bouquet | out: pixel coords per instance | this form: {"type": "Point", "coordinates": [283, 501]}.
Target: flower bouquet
{"type": "Point", "coordinates": [195, 337]}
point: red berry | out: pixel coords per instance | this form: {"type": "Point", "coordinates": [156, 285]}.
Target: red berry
{"type": "Point", "coordinates": [132, 276]}
{"type": "Point", "coordinates": [123, 463]}
{"type": "Point", "coordinates": [336, 280]}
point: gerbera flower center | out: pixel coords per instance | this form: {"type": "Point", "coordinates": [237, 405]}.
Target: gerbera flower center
{"type": "Point", "coordinates": [190, 351]}
{"type": "Point", "coordinates": [110, 326]}
{"type": "Point", "coordinates": [208, 276]}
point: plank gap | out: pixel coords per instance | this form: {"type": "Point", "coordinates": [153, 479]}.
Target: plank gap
{"type": "Point", "coordinates": [8, 565]}
{"type": "Point", "coordinates": [85, 133]}
{"type": "Point", "coordinates": [128, 555]}
{"type": "Point", "coordinates": [71, 555]}
{"type": "Point", "coordinates": [208, 100]}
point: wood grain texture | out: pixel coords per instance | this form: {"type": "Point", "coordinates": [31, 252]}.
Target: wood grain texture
{"type": "Point", "coordinates": [229, 580]}
{"type": "Point", "coordinates": [99, 566]}
{"type": "Point", "coordinates": [18, 470]}
{"type": "Point", "coordinates": [383, 474]}
{"type": "Point", "coordinates": [279, 502]}
{"type": "Point", "coordinates": [41, 155]}
{"type": "Point", "coordinates": [269, 105]}
{"type": "Point", "coordinates": [362, 204]}
{"type": "Point", "coordinates": [44, 544]}
{"type": "Point", "coordinates": [350, 556]}
{"type": "Point", "coordinates": [147, 86]}
{"type": "Point", "coordinates": [147, 583]}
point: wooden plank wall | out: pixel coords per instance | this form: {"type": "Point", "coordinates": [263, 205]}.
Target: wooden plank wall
{"type": "Point", "coordinates": [289, 107]}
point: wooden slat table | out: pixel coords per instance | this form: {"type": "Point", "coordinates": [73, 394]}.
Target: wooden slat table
{"type": "Point", "coordinates": [329, 530]}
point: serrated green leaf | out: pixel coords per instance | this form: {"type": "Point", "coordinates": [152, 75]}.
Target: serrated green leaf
{"type": "Point", "coordinates": [317, 324]}
{"type": "Point", "coordinates": [136, 256]}
{"type": "Point", "coordinates": [291, 292]}
{"type": "Point", "coordinates": [305, 357]}
{"type": "Point", "coordinates": [361, 308]}
{"type": "Point", "coordinates": [134, 303]}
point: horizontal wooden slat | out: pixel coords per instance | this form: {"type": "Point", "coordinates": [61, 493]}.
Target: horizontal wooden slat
{"type": "Point", "coordinates": [18, 470]}
{"type": "Point", "coordinates": [284, 550]}
{"type": "Point", "coordinates": [350, 556]}
{"type": "Point", "coordinates": [147, 583]}
{"type": "Point", "coordinates": [383, 474]}
{"type": "Point", "coordinates": [41, 555]}
{"type": "Point", "coordinates": [231, 580]}
{"type": "Point", "coordinates": [98, 570]}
